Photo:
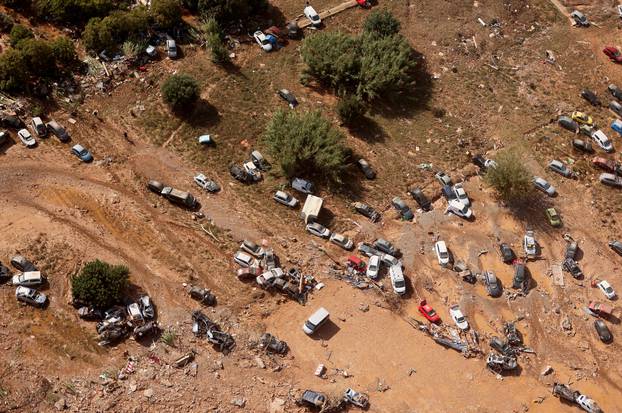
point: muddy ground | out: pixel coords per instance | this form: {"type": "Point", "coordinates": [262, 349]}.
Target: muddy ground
{"type": "Point", "coordinates": [479, 89]}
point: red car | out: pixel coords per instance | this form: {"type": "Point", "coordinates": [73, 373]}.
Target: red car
{"type": "Point", "coordinates": [428, 312]}
{"type": "Point", "coordinates": [364, 3]}
{"type": "Point", "coordinates": [603, 163]}
{"type": "Point", "coordinates": [613, 53]}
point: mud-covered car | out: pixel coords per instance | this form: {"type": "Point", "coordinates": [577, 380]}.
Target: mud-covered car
{"type": "Point", "coordinates": [367, 211]}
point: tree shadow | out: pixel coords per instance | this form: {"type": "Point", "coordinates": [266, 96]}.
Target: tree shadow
{"type": "Point", "coordinates": [368, 130]}
{"type": "Point", "coordinates": [412, 100]}
{"type": "Point", "coordinates": [531, 211]}
{"type": "Point", "coordinates": [203, 115]}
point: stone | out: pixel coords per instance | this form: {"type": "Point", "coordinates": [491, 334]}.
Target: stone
{"type": "Point", "coordinates": [260, 362]}
{"type": "Point", "coordinates": [61, 404]}
{"type": "Point", "coordinates": [239, 402]}
{"type": "Point", "coordinates": [277, 406]}
{"type": "Point", "coordinates": [148, 393]}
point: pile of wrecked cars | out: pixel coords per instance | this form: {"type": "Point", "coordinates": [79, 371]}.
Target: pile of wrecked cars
{"type": "Point", "coordinates": [566, 393]}
{"type": "Point", "coordinates": [116, 323]}
{"type": "Point", "coordinates": [314, 399]}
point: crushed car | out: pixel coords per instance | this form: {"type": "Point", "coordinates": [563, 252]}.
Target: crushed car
{"type": "Point", "coordinates": [202, 295]}
{"type": "Point", "coordinates": [271, 344]}
{"type": "Point", "coordinates": [202, 326]}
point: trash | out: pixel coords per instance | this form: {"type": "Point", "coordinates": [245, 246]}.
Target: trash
{"type": "Point", "coordinates": [550, 57]}
{"type": "Point", "coordinates": [270, 343]}
{"type": "Point", "coordinates": [358, 399]}
{"type": "Point", "coordinates": [184, 360]}
{"type": "Point", "coordinates": [239, 402]}
{"type": "Point", "coordinates": [547, 370]}
{"type": "Point", "coordinates": [129, 368]}
{"type": "Point", "coordinates": [482, 22]}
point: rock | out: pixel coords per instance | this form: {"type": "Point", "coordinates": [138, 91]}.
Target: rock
{"type": "Point", "coordinates": [260, 362]}
{"type": "Point", "coordinates": [277, 406]}
{"type": "Point", "coordinates": [61, 404]}
{"type": "Point", "coordinates": [566, 324]}
{"type": "Point", "coordinates": [132, 387]}
{"type": "Point", "coordinates": [218, 365]}
{"type": "Point", "coordinates": [148, 393]}
{"type": "Point", "coordinates": [193, 369]}
{"type": "Point", "coordinates": [547, 370]}
{"type": "Point", "coordinates": [364, 307]}
{"type": "Point", "coordinates": [239, 402]}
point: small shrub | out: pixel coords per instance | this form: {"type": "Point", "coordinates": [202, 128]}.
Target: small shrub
{"type": "Point", "coordinates": [180, 91]}
{"type": "Point", "coordinates": [19, 33]}
{"type": "Point", "coordinates": [100, 284]}
{"type": "Point", "coordinates": [64, 51]}
{"type": "Point", "coordinates": [381, 23]}
{"type": "Point", "coordinates": [168, 337]}
{"type": "Point", "coordinates": [350, 109]}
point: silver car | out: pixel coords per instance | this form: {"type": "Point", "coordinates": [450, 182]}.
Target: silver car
{"type": "Point", "coordinates": [611, 180]}
{"type": "Point", "coordinates": [30, 296]}
{"type": "Point", "coordinates": [341, 240]}
{"type": "Point", "coordinates": [560, 168]}
{"type": "Point", "coordinates": [318, 230]}
{"type": "Point", "coordinates": [27, 139]}
{"type": "Point", "coordinates": [286, 199]}
{"type": "Point", "coordinates": [541, 184]}
{"type": "Point", "coordinates": [28, 279]}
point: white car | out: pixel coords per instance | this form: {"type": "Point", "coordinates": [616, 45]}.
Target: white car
{"type": "Point", "coordinates": [268, 277]}
{"type": "Point", "coordinates": [341, 240]}
{"type": "Point", "coordinates": [206, 183]}
{"type": "Point", "coordinates": [461, 194]}
{"type": "Point", "coordinates": [30, 296]}
{"type": "Point", "coordinates": [602, 140]}
{"type": "Point", "coordinates": [26, 138]}
{"type": "Point", "coordinates": [397, 279]}
{"type": "Point", "coordinates": [312, 15]}
{"type": "Point", "coordinates": [456, 207]}
{"type": "Point", "coordinates": [28, 279]}
{"type": "Point", "coordinates": [529, 244]}
{"type": "Point", "coordinates": [442, 254]}
{"type": "Point", "coordinates": [286, 199]}
{"type": "Point", "coordinates": [458, 317]}
{"type": "Point", "coordinates": [373, 267]}
{"type": "Point", "coordinates": [388, 260]}
{"type": "Point", "coordinates": [171, 48]}
{"type": "Point", "coordinates": [262, 41]}
{"type": "Point", "coordinates": [133, 311]}
{"type": "Point", "coordinates": [607, 289]}
{"type": "Point", "coordinates": [319, 230]}
{"type": "Point", "coordinates": [542, 184]}
{"type": "Point", "coordinates": [243, 259]}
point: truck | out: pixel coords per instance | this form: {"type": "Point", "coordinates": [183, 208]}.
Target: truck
{"type": "Point", "coordinates": [599, 309]}
{"type": "Point", "coordinates": [179, 197]}
{"type": "Point", "coordinates": [311, 209]}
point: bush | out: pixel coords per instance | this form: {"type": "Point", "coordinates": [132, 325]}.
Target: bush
{"type": "Point", "coordinates": [510, 178]}
{"type": "Point", "coordinates": [367, 67]}
{"type": "Point", "coordinates": [166, 13]}
{"type": "Point", "coordinates": [381, 23]}
{"type": "Point", "coordinates": [229, 10]}
{"type": "Point", "coordinates": [100, 284]}
{"type": "Point", "coordinates": [38, 57]}
{"type": "Point", "coordinates": [19, 33]}
{"type": "Point", "coordinates": [13, 74]}
{"type": "Point", "coordinates": [306, 144]}
{"type": "Point", "coordinates": [350, 109]}
{"type": "Point", "coordinates": [72, 11]}
{"type": "Point", "coordinates": [64, 51]}
{"type": "Point", "coordinates": [6, 23]}
{"type": "Point", "coordinates": [180, 91]}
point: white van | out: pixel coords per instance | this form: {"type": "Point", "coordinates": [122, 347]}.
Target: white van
{"type": "Point", "coordinates": [312, 15]}
{"type": "Point", "coordinates": [171, 48]}
{"type": "Point", "coordinates": [316, 320]}
{"type": "Point", "coordinates": [397, 279]}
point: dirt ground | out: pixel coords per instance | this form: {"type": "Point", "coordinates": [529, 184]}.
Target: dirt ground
{"type": "Point", "coordinates": [480, 88]}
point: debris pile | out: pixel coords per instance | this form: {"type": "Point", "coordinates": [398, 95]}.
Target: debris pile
{"type": "Point", "coordinates": [204, 327]}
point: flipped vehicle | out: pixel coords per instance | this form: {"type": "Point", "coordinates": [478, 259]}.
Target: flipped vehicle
{"type": "Point", "coordinates": [572, 267]}
{"type": "Point", "coordinates": [358, 399]}
{"type": "Point", "coordinates": [271, 344]}
{"type": "Point", "coordinates": [205, 183]}
{"type": "Point", "coordinates": [30, 296]}
{"type": "Point", "coordinates": [289, 97]}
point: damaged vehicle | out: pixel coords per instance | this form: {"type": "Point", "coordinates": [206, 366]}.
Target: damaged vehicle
{"type": "Point", "coordinates": [572, 267]}
{"type": "Point", "coordinates": [313, 399]}
{"type": "Point", "coordinates": [499, 363]}
{"type": "Point", "coordinates": [358, 399]}
{"type": "Point", "coordinates": [271, 344]}
{"type": "Point", "coordinates": [493, 286]}
{"type": "Point", "coordinates": [146, 307]}
{"type": "Point", "coordinates": [367, 211]}
{"type": "Point", "coordinates": [204, 327]}
{"type": "Point", "coordinates": [22, 264]}
{"type": "Point", "coordinates": [147, 329]}
{"type": "Point", "coordinates": [202, 295]}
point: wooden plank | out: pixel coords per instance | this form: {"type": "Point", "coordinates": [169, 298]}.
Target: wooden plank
{"type": "Point", "coordinates": [558, 275]}
{"type": "Point", "coordinates": [304, 22]}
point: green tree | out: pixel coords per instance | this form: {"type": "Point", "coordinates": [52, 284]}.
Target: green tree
{"type": "Point", "coordinates": [510, 178]}
{"type": "Point", "coordinates": [229, 10]}
{"type": "Point", "coordinates": [331, 58]}
{"type": "Point", "coordinates": [6, 23]}
{"type": "Point", "coordinates": [386, 65]}
{"type": "Point", "coordinates": [38, 56]}
{"type": "Point", "coordinates": [350, 109]}
{"type": "Point", "coordinates": [381, 23]}
{"type": "Point", "coordinates": [180, 91]}
{"type": "Point", "coordinates": [100, 284]}
{"type": "Point", "coordinates": [13, 75]}
{"type": "Point", "coordinates": [215, 41]}
{"type": "Point", "coordinates": [19, 33]}
{"type": "Point", "coordinates": [166, 13]}
{"type": "Point", "coordinates": [64, 51]}
{"type": "Point", "coordinates": [306, 144]}
{"type": "Point", "coordinates": [72, 11]}
{"type": "Point", "coordinates": [114, 29]}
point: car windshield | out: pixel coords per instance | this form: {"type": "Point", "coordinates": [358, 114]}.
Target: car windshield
{"type": "Point", "coordinates": [430, 312]}
{"type": "Point", "coordinates": [609, 289]}
{"type": "Point", "coordinates": [443, 254]}
{"type": "Point", "coordinates": [400, 283]}
{"type": "Point", "coordinates": [460, 319]}
{"type": "Point", "coordinates": [315, 17]}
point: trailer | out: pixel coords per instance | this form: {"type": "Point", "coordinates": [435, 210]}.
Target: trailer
{"type": "Point", "coordinates": [311, 209]}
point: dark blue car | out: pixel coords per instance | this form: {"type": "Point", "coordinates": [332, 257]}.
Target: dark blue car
{"type": "Point", "coordinates": [82, 153]}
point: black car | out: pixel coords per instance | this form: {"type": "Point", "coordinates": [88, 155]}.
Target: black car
{"type": "Point", "coordinates": [479, 160]}
{"type": "Point", "coordinates": [616, 246]}
{"type": "Point", "coordinates": [155, 186]}
{"type": "Point", "coordinates": [572, 267]}
{"type": "Point", "coordinates": [5, 273]}
{"type": "Point", "coordinates": [367, 211]}
{"type": "Point", "coordinates": [615, 91]}
{"type": "Point", "coordinates": [603, 331]}
{"type": "Point", "coordinates": [4, 137]}
{"type": "Point", "coordinates": [367, 170]}
{"type": "Point", "coordinates": [22, 264]}
{"type": "Point", "coordinates": [520, 275]}
{"type": "Point", "coordinates": [590, 97]}
{"type": "Point", "coordinates": [421, 199]}
{"type": "Point", "coordinates": [582, 145]}
{"type": "Point", "coordinates": [385, 246]}
{"type": "Point", "coordinates": [12, 122]}
{"type": "Point", "coordinates": [289, 97]}
{"type": "Point", "coordinates": [493, 285]}
{"type": "Point", "coordinates": [240, 174]}
{"type": "Point", "coordinates": [507, 254]}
